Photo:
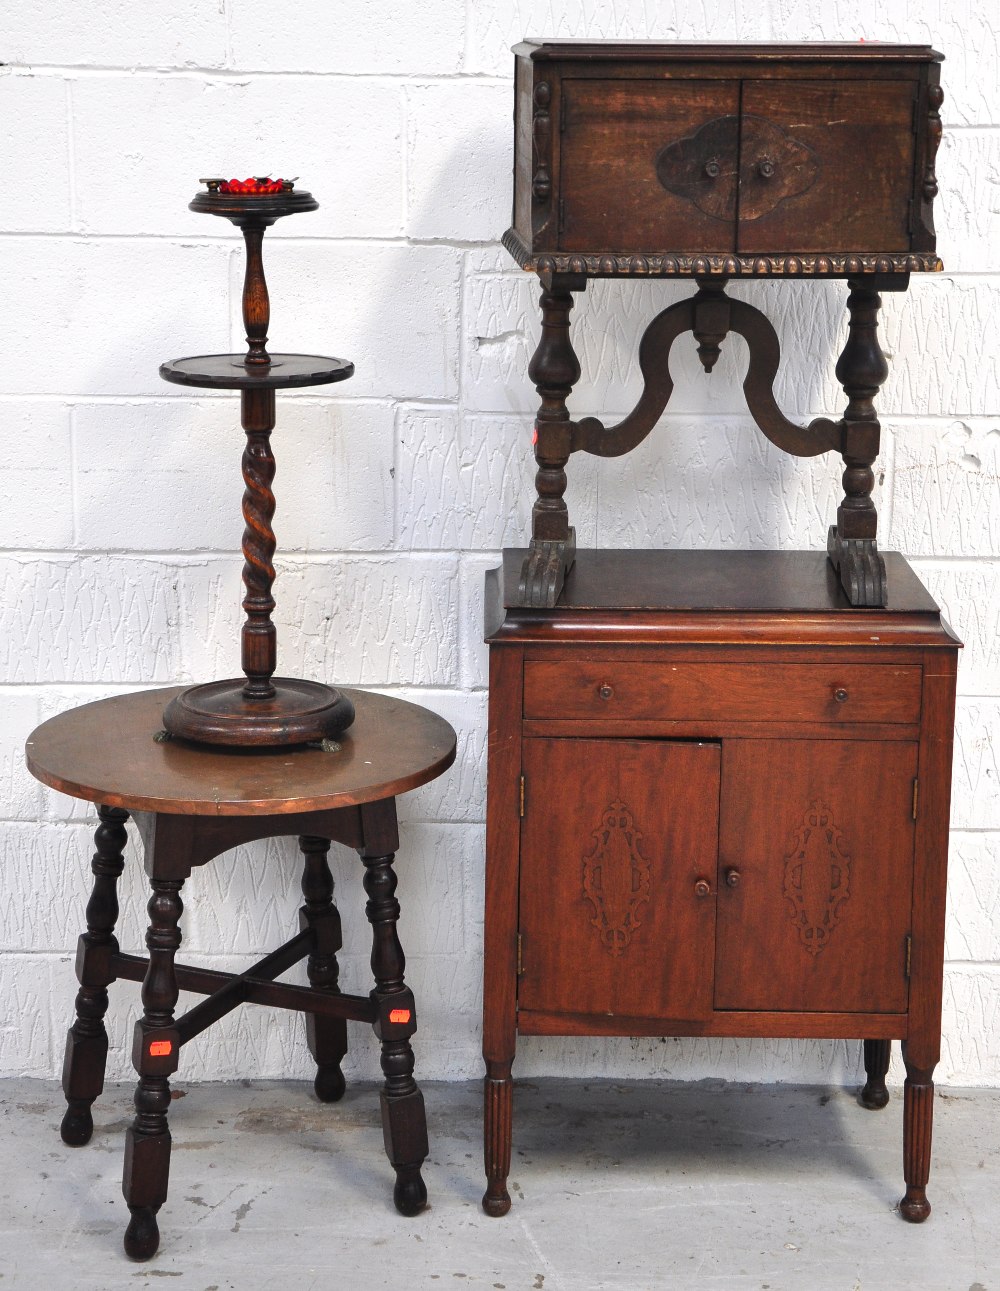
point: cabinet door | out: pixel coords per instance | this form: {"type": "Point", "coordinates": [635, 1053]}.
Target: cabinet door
{"type": "Point", "coordinates": [648, 165]}
{"type": "Point", "coordinates": [826, 166]}
{"type": "Point", "coordinates": [815, 875]}
{"type": "Point", "coordinates": [619, 849]}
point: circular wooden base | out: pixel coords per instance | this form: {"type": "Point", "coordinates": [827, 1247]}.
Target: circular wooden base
{"type": "Point", "coordinates": [218, 712]}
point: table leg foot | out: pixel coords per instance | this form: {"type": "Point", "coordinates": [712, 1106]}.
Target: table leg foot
{"type": "Point", "coordinates": [410, 1192]}
{"type": "Point", "coordinates": [874, 1095]}
{"type": "Point", "coordinates": [142, 1237]}
{"type": "Point", "coordinates": [330, 1084]}
{"type": "Point", "coordinates": [77, 1124]}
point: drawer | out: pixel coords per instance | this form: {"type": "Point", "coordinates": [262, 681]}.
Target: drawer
{"type": "Point", "coordinates": [827, 692]}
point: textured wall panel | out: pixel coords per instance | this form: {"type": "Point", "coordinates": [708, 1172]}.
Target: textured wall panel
{"type": "Point", "coordinates": [87, 618]}
{"type": "Point", "coordinates": [374, 36]}
{"type": "Point", "coordinates": [376, 621]}
{"type": "Point", "coordinates": [946, 487]}
{"type": "Point", "coordinates": [333, 484]}
{"type": "Point", "coordinates": [468, 482]}
{"type": "Point", "coordinates": [969, 594]}
{"type": "Point", "coordinates": [120, 529]}
{"type": "Point", "coordinates": [262, 126]}
{"type": "Point", "coordinates": [391, 309]}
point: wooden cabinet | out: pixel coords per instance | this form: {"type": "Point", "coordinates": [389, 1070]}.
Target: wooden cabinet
{"type": "Point", "coordinates": [718, 805]}
{"type": "Point", "coordinates": [654, 151]}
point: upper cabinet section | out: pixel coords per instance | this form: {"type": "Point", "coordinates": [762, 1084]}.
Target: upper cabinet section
{"type": "Point", "coordinates": [767, 160]}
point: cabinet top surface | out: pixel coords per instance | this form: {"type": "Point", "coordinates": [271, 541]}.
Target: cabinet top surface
{"type": "Point", "coordinates": [710, 51]}
{"type": "Point", "coordinates": [722, 595]}
{"type": "Point", "coordinates": [758, 581]}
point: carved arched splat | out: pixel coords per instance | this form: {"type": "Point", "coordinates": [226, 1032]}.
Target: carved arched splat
{"type": "Point", "coordinates": [702, 315]}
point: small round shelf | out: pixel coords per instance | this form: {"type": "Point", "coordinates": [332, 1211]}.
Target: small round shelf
{"type": "Point", "coordinates": [232, 372]}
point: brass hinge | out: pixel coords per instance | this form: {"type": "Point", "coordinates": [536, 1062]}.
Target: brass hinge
{"type": "Point", "coordinates": [909, 952]}
{"type": "Point", "coordinates": [521, 800]}
{"type": "Point", "coordinates": [520, 960]}
{"type": "Point", "coordinates": [916, 790]}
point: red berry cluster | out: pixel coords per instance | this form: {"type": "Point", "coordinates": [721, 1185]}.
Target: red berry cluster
{"type": "Point", "coordinates": [257, 187]}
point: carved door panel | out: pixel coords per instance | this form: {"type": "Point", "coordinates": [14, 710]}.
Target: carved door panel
{"type": "Point", "coordinates": [815, 875]}
{"type": "Point", "coordinates": [649, 164]}
{"type": "Point", "coordinates": [825, 165]}
{"type": "Point", "coordinates": [619, 850]}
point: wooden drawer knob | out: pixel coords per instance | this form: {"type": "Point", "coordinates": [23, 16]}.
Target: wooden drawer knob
{"type": "Point", "coordinates": [605, 691]}
{"type": "Point", "coordinates": [840, 695]}
{"type": "Point", "coordinates": [712, 169]}
{"type": "Point", "coordinates": [703, 888]}
{"type": "Point", "coordinates": [733, 878]}
{"type": "Point", "coordinates": [765, 168]}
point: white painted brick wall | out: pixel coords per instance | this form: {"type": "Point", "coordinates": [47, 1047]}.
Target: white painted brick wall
{"type": "Point", "coordinates": [119, 563]}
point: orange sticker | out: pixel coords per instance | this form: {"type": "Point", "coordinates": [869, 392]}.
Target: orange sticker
{"type": "Point", "coordinates": [399, 1015]}
{"type": "Point", "coordinates": [160, 1048]}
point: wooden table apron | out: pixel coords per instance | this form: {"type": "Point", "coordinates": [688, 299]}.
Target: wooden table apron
{"type": "Point", "coordinates": [190, 804]}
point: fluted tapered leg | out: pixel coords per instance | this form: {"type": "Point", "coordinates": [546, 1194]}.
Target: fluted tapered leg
{"type": "Point", "coordinates": [498, 1089]}
{"type": "Point", "coordinates": [918, 1124]}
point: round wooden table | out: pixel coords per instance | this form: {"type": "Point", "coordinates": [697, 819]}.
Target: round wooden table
{"type": "Point", "coordinates": [191, 803]}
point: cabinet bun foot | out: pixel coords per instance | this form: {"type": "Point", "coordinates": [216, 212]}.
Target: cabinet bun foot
{"type": "Point", "coordinates": [496, 1204]}
{"type": "Point", "coordinates": [915, 1207]}
{"type": "Point", "coordinates": [873, 1096]}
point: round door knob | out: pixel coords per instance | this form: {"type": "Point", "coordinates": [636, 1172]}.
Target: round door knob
{"type": "Point", "coordinates": [712, 168]}
{"type": "Point", "coordinates": [605, 691]}
{"type": "Point", "coordinates": [840, 695]}
{"type": "Point", "coordinates": [765, 168]}
{"type": "Point", "coordinates": [733, 878]}
{"type": "Point", "coordinates": [703, 888]}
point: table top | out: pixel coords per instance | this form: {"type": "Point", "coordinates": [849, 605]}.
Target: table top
{"type": "Point", "coordinates": [232, 372]}
{"type": "Point", "coordinates": [106, 752]}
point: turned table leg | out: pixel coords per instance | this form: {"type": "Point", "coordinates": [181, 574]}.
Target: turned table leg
{"type": "Point", "coordinates": [918, 1123]}
{"type": "Point", "coordinates": [327, 1037]}
{"type": "Point", "coordinates": [87, 1041]}
{"type": "Point", "coordinates": [874, 1095]}
{"type": "Point", "coordinates": [154, 1055]}
{"type": "Point", "coordinates": [404, 1125]}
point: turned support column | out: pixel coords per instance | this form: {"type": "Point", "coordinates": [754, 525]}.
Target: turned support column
{"type": "Point", "coordinates": [554, 369]}
{"type": "Point", "coordinates": [154, 1055]}
{"type": "Point", "coordinates": [259, 642]}
{"type": "Point", "coordinates": [326, 1036]}
{"type": "Point", "coordinates": [87, 1041]}
{"type": "Point", "coordinates": [404, 1125]}
{"type": "Point", "coordinates": [861, 370]}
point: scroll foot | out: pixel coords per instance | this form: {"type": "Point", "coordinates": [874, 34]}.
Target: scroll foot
{"type": "Point", "coordinates": [544, 571]}
{"type": "Point", "coordinates": [861, 568]}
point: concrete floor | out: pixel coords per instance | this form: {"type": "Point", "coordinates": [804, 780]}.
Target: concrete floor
{"type": "Point", "coordinates": [616, 1185]}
